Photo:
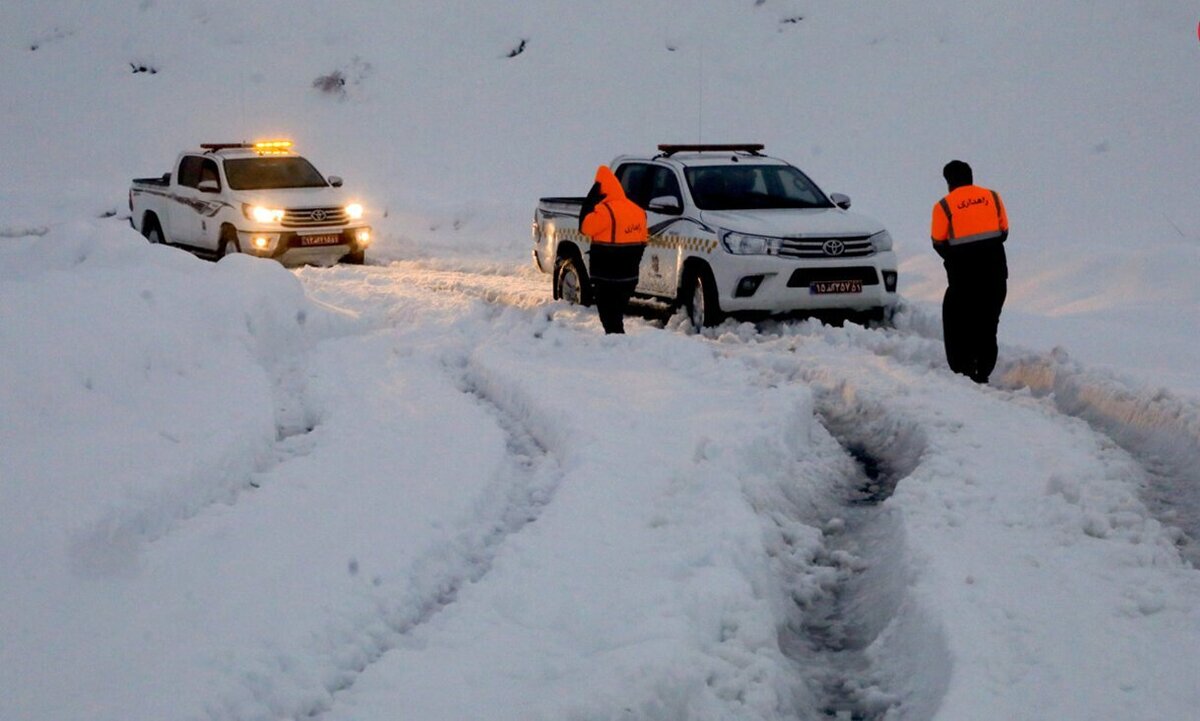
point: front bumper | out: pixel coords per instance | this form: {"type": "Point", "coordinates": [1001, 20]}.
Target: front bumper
{"type": "Point", "coordinates": [310, 247]}
{"type": "Point", "coordinates": [779, 285]}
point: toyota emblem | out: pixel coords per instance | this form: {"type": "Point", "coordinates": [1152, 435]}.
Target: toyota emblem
{"type": "Point", "coordinates": [834, 247]}
{"type": "Point", "coordinates": [318, 215]}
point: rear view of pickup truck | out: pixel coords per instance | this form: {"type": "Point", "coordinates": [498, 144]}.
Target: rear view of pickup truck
{"type": "Point", "coordinates": [258, 198]}
{"type": "Point", "coordinates": [733, 231]}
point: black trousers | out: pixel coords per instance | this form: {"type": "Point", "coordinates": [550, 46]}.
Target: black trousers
{"type": "Point", "coordinates": [614, 271]}
{"type": "Point", "coordinates": [970, 317]}
{"type": "Point", "coordinates": [612, 297]}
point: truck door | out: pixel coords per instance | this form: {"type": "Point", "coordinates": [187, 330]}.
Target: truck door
{"type": "Point", "coordinates": [656, 190]}
{"type": "Point", "coordinates": [192, 208]}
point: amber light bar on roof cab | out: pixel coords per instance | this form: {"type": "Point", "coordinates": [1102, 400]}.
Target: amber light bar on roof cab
{"type": "Point", "coordinates": [262, 147]}
{"type": "Point", "coordinates": [273, 147]}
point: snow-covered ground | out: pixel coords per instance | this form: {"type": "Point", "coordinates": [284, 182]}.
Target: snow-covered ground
{"type": "Point", "coordinates": [422, 489]}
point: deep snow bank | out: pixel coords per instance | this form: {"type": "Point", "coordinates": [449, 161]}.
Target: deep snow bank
{"type": "Point", "coordinates": [140, 385]}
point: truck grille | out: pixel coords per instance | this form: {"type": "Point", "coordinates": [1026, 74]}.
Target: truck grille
{"type": "Point", "coordinates": [313, 217]}
{"type": "Point", "coordinates": [844, 247]}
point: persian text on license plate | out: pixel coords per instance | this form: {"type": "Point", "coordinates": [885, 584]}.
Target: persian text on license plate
{"type": "Point", "coordinates": [322, 239]}
{"type": "Point", "coordinates": [823, 287]}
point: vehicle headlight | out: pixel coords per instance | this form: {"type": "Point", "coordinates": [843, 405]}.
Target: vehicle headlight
{"type": "Point", "coordinates": [354, 211]}
{"type": "Point", "coordinates": [745, 244]}
{"type": "Point", "coordinates": [881, 241]}
{"type": "Point", "coordinates": [260, 214]}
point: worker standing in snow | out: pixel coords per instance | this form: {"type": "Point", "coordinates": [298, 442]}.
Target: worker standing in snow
{"type": "Point", "coordinates": [969, 228]}
{"type": "Point", "coordinates": [617, 228]}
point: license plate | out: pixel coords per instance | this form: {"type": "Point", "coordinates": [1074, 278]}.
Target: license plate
{"type": "Point", "coordinates": [322, 239]}
{"type": "Point", "coordinates": [823, 287]}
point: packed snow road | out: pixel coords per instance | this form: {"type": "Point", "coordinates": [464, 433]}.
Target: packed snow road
{"type": "Point", "coordinates": [1016, 564]}
{"type": "Point", "coordinates": [423, 490]}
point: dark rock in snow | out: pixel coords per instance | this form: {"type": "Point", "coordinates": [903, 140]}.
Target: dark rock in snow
{"type": "Point", "coordinates": [520, 48]}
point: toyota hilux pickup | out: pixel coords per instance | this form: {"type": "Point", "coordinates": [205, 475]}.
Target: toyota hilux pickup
{"type": "Point", "coordinates": [732, 232]}
{"type": "Point", "coordinates": [258, 198]}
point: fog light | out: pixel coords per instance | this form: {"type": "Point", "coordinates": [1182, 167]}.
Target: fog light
{"type": "Point", "coordinates": [259, 243]}
{"type": "Point", "coordinates": [889, 280]}
{"type": "Point", "coordinates": [748, 286]}
{"type": "Point", "coordinates": [363, 236]}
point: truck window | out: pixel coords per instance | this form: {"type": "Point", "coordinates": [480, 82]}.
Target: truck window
{"type": "Point", "coordinates": [268, 173]}
{"type": "Point", "coordinates": [664, 183]}
{"type": "Point", "coordinates": [189, 171]}
{"type": "Point", "coordinates": [633, 181]}
{"type": "Point", "coordinates": [208, 171]}
{"type": "Point", "coordinates": [644, 182]}
{"type": "Point", "coordinates": [748, 187]}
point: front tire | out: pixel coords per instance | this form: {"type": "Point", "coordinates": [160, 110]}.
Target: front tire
{"type": "Point", "coordinates": [571, 282]}
{"type": "Point", "coordinates": [356, 258]}
{"type": "Point", "coordinates": [229, 246]}
{"type": "Point", "coordinates": [700, 300]}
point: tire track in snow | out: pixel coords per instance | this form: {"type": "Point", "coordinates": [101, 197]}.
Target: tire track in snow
{"type": "Point", "coordinates": [112, 543]}
{"type": "Point", "coordinates": [1159, 430]}
{"type": "Point", "coordinates": [520, 491]}
{"type": "Point", "coordinates": [850, 616]}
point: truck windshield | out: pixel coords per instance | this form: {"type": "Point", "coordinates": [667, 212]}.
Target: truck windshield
{"type": "Point", "coordinates": [268, 173]}
{"type": "Point", "coordinates": [751, 187]}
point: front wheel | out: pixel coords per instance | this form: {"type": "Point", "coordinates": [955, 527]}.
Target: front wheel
{"type": "Point", "coordinates": [229, 246]}
{"type": "Point", "coordinates": [355, 258]}
{"type": "Point", "coordinates": [700, 300]}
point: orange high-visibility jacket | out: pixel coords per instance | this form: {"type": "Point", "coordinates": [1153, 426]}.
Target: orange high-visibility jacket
{"type": "Point", "coordinates": [968, 214]}
{"type": "Point", "coordinates": [616, 220]}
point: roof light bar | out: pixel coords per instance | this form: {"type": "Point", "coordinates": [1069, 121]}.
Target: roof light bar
{"type": "Point", "coordinates": [752, 148]}
{"type": "Point", "coordinates": [263, 147]}
{"type": "Point", "coordinates": [273, 147]}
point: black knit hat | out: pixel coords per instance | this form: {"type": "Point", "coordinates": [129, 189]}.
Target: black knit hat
{"type": "Point", "coordinates": [957, 174]}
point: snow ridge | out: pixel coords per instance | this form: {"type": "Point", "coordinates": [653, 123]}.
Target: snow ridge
{"type": "Point", "coordinates": [1161, 430]}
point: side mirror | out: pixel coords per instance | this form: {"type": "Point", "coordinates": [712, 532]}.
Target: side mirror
{"type": "Point", "coordinates": [665, 205]}
{"type": "Point", "coordinates": [841, 200]}
{"type": "Point", "coordinates": [209, 186]}
{"type": "Point", "coordinates": [335, 181]}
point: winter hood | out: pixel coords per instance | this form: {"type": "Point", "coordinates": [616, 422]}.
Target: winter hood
{"type": "Point", "coordinates": [609, 185]}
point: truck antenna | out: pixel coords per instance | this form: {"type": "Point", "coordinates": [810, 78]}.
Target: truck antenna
{"type": "Point", "coordinates": [242, 74]}
{"type": "Point", "coordinates": [700, 97]}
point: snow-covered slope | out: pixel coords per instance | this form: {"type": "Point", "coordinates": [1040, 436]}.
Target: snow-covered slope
{"type": "Point", "coordinates": [1083, 116]}
{"type": "Point", "coordinates": [422, 489]}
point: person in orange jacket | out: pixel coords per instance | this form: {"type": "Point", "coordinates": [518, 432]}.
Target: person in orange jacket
{"type": "Point", "coordinates": [617, 228]}
{"type": "Point", "coordinates": [968, 231]}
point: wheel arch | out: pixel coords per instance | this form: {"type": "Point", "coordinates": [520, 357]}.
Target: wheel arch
{"type": "Point", "coordinates": [691, 267]}
{"type": "Point", "coordinates": [568, 249]}
{"type": "Point", "coordinates": [227, 234]}
{"type": "Point", "coordinates": [573, 255]}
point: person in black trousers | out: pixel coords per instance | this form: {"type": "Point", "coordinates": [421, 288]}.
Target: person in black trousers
{"type": "Point", "coordinates": [969, 228]}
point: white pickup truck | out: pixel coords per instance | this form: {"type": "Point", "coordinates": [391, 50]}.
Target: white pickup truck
{"type": "Point", "coordinates": [732, 231]}
{"type": "Point", "coordinates": [258, 198]}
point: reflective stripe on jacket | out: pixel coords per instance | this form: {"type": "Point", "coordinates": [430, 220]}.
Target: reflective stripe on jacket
{"type": "Point", "coordinates": [968, 214]}
{"type": "Point", "coordinates": [616, 219]}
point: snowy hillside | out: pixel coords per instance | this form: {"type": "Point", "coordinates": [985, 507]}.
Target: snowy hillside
{"type": "Point", "coordinates": [422, 489]}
